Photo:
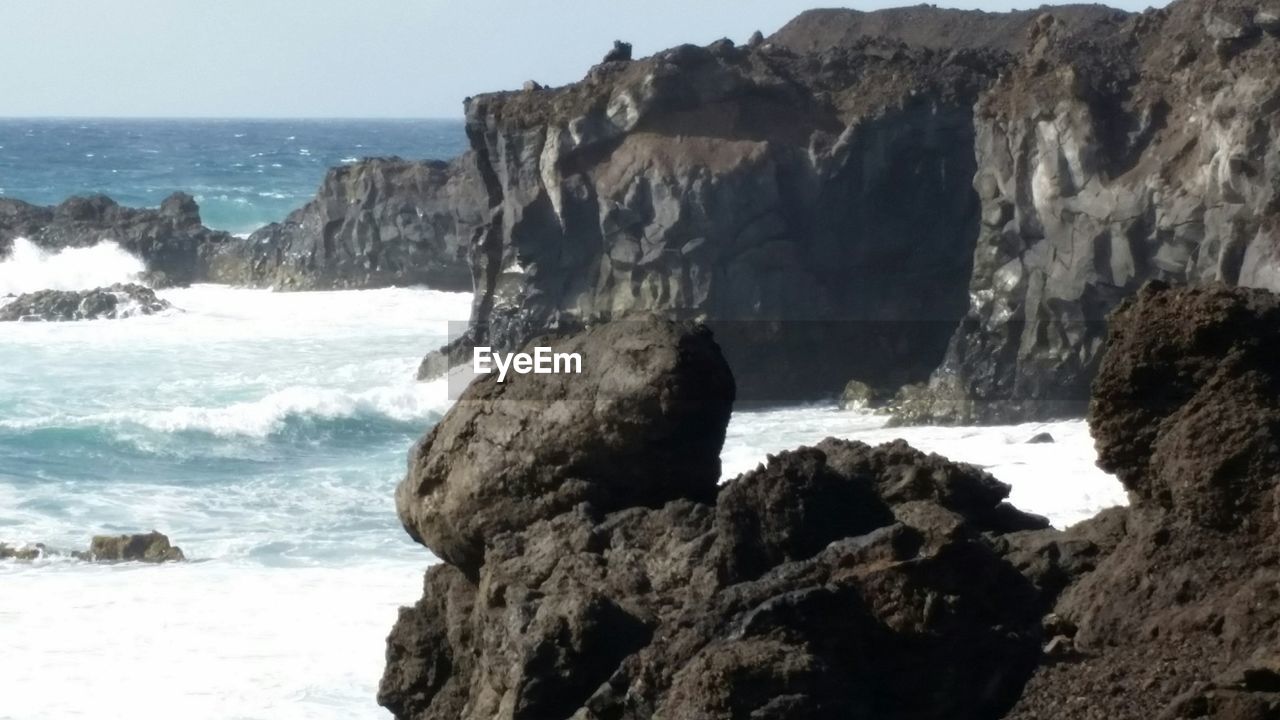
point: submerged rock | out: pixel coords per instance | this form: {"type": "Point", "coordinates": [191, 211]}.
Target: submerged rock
{"type": "Point", "coordinates": [152, 547]}
{"type": "Point", "coordinates": [23, 553]}
{"type": "Point", "coordinates": [108, 303]}
{"type": "Point", "coordinates": [595, 571]}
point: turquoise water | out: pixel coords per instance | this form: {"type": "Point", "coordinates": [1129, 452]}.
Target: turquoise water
{"type": "Point", "coordinates": [244, 173]}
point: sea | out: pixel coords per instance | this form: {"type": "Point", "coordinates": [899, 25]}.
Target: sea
{"type": "Point", "coordinates": [265, 433]}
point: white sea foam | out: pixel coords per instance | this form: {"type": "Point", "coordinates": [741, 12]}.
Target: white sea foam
{"type": "Point", "coordinates": [29, 268]}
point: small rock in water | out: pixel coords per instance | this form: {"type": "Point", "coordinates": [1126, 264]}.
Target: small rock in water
{"type": "Point", "coordinates": [105, 303]}
{"type": "Point", "coordinates": [152, 547]}
{"type": "Point", "coordinates": [1041, 438]}
{"type": "Point", "coordinates": [25, 553]}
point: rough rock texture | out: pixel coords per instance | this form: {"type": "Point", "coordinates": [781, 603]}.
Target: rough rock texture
{"type": "Point", "coordinates": [654, 397]}
{"type": "Point", "coordinates": [816, 210]}
{"type": "Point", "coordinates": [841, 581]}
{"type": "Point", "coordinates": [108, 303]}
{"type": "Point", "coordinates": [172, 242]}
{"type": "Point", "coordinates": [152, 547]}
{"type": "Point", "coordinates": [939, 28]}
{"type": "Point", "coordinates": [1106, 159]}
{"type": "Point", "coordinates": [1180, 615]}
{"type": "Point", "coordinates": [375, 223]}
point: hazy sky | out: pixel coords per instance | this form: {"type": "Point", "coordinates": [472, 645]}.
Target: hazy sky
{"type": "Point", "coordinates": [336, 58]}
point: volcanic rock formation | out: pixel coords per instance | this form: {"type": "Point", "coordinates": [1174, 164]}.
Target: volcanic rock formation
{"type": "Point", "coordinates": [375, 223]}
{"type": "Point", "coordinates": [816, 210]}
{"type": "Point", "coordinates": [595, 571]}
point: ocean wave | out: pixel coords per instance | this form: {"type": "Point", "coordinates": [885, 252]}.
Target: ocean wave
{"type": "Point", "coordinates": [294, 413]}
{"type": "Point", "coordinates": [30, 268]}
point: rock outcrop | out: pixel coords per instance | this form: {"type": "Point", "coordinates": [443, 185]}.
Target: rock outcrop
{"type": "Point", "coordinates": [1104, 160]}
{"type": "Point", "coordinates": [374, 223]}
{"type": "Point", "coordinates": [1178, 615]}
{"type": "Point", "coordinates": [152, 547]}
{"type": "Point", "coordinates": [816, 210]}
{"type": "Point", "coordinates": [605, 576]}
{"type": "Point", "coordinates": [108, 303]}
{"type": "Point", "coordinates": [171, 240]}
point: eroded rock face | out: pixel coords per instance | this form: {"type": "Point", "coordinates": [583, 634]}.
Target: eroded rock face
{"type": "Point", "coordinates": [815, 210]}
{"type": "Point", "coordinates": [108, 303]}
{"type": "Point", "coordinates": [171, 240]}
{"type": "Point", "coordinates": [375, 223]}
{"type": "Point", "coordinates": [1180, 615]}
{"type": "Point", "coordinates": [840, 581]}
{"type": "Point", "coordinates": [1106, 160]}
{"type": "Point", "coordinates": [642, 424]}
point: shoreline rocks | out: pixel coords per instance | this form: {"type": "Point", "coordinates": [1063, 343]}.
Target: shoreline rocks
{"type": "Point", "coordinates": [152, 547]}
{"type": "Point", "coordinates": [831, 582]}
{"type": "Point", "coordinates": [107, 303]}
{"type": "Point", "coordinates": [844, 580]}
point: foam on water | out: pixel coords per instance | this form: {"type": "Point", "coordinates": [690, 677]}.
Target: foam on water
{"type": "Point", "coordinates": [29, 268]}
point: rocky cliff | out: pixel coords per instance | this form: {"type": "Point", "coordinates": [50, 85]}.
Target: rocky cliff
{"type": "Point", "coordinates": [171, 240]}
{"type": "Point", "coordinates": [862, 190]}
{"type": "Point", "coordinates": [815, 209]}
{"type": "Point", "coordinates": [592, 575]}
{"type": "Point", "coordinates": [375, 223]}
{"type": "Point", "coordinates": [1105, 160]}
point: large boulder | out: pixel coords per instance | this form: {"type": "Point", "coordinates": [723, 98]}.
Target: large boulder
{"type": "Point", "coordinates": [642, 424]}
{"type": "Point", "coordinates": [595, 571]}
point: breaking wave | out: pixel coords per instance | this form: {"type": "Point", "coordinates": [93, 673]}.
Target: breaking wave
{"type": "Point", "coordinates": [30, 268]}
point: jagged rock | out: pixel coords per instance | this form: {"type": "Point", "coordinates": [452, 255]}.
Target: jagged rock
{"type": "Point", "coordinates": [375, 223]}
{"type": "Point", "coordinates": [791, 202]}
{"type": "Point", "coordinates": [152, 547]}
{"type": "Point", "coordinates": [840, 581]}
{"type": "Point", "coordinates": [170, 240]}
{"type": "Point", "coordinates": [653, 397]}
{"type": "Point", "coordinates": [1106, 159]}
{"type": "Point", "coordinates": [621, 52]}
{"type": "Point", "coordinates": [756, 39]}
{"type": "Point", "coordinates": [1181, 611]}
{"type": "Point", "coordinates": [113, 302]}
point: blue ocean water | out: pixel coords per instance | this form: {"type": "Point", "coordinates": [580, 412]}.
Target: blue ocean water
{"type": "Point", "coordinates": [244, 173]}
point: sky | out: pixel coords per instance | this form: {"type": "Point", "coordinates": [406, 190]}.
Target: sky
{"type": "Point", "coordinates": [338, 58]}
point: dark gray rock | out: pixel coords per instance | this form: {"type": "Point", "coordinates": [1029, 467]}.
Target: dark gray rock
{"type": "Point", "coordinates": [171, 239]}
{"type": "Point", "coordinates": [1106, 160]}
{"type": "Point", "coordinates": [642, 424]}
{"type": "Point", "coordinates": [108, 303]}
{"type": "Point", "coordinates": [621, 52]}
{"type": "Point", "coordinates": [1041, 439]}
{"type": "Point", "coordinates": [841, 581]}
{"type": "Point", "coordinates": [376, 223]}
{"type": "Point", "coordinates": [816, 211]}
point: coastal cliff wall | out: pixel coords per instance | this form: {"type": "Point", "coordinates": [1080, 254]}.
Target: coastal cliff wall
{"type": "Point", "coordinates": [965, 196]}
{"type": "Point", "coordinates": [816, 210]}
{"type": "Point", "coordinates": [1105, 161]}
